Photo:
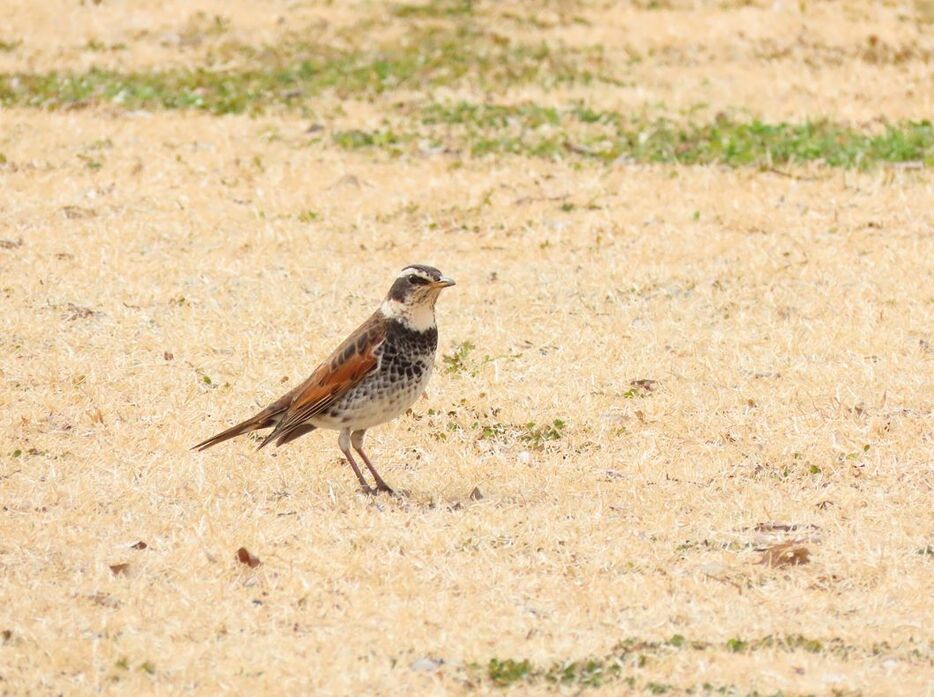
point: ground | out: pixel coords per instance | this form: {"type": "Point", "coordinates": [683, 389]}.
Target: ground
{"type": "Point", "coordinates": [679, 439]}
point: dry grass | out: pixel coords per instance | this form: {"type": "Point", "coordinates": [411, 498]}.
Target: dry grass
{"type": "Point", "coordinates": [786, 321]}
{"type": "Point", "coordinates": [857, 61]}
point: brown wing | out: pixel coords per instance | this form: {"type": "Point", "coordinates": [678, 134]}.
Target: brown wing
{"type": "Point", "coordinates": [348, 365]}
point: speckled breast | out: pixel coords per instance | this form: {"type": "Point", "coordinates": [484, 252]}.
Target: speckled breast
{"type": "Point", "coordinates": [406, 359]}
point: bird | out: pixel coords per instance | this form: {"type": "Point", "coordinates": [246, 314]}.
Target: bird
{"type": "Point", "coordinates": [372, 377]}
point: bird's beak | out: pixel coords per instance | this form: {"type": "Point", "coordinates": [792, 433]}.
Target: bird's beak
{"type": "Point", "coordinates": [443, 282]}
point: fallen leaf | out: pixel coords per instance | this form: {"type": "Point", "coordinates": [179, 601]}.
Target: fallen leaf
{"type": "Point", "coordinates": [825, 582]}
{"type": "Point", "coordinates": [77, 212]}
{"type": "Point", "coordinates": [785, 554]}
{"type": "Point", "coordinates": [118, 569]}
{"type": "Point", "coordinates": [645, 384]}
{"type": "Point", "coordinates": [139, 545]}
{"type": "Point", "coordinates": [244, 556]}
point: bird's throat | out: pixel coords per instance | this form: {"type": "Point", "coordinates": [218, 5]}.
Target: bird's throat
{"type": "Point", "coordinates": [418, 317]}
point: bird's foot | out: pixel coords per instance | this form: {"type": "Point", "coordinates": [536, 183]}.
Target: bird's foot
{"type": "Point", "coordinates": [398, 493]}
{"type": "Point", "coordinates": [383, 486]}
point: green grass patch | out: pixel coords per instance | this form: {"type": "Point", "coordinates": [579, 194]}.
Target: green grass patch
{"type": "Point", "coordinates": [384, 139]}
{"type": "Point", "coordinates": [535, 436]}
{"type": "Point", "coordinates": [587, 673]}
{"type": "Point", "coordinates": [581, 133]}
{"type": "Point", "coordinates": [434, 9]}
{"type": "Point", "coordinates": [290, 75]}
{"type": "Point", "coordinates": [622, 663]}
{"type": "Point", "coordinates": [452, 52]}
{"type": "Point", "coordinates": [506, 672]}
{"type": "Point", "coordinates": [456, 362]}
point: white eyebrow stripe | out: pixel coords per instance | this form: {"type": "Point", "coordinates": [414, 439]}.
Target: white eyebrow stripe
{"type": "Point", "coordinates": [411, 270]}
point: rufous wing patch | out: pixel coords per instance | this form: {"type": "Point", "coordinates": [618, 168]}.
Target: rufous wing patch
{"type": "Point", "coordinates": [346, 367]}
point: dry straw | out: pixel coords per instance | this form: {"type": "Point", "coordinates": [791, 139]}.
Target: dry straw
{"type": "Point", "coordinates": [689, 402]}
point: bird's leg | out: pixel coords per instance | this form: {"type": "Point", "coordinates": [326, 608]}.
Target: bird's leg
{"type": "Point", "coordinates": [357, 439]}
{"type": "Point", "coordinates": [344, 443]}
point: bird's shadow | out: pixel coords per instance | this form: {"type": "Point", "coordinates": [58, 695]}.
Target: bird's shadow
{"type": "Point", "coordinates": [405, 499]}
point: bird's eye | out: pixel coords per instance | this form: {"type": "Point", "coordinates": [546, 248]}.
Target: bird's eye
{"type": "Point", "coordinates": [417, 280]}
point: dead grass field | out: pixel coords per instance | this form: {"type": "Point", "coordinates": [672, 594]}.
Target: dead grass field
{"type": "Point", "coordinates": [859, 61]}
{"type": "Point", "coordinates": [652, 376]}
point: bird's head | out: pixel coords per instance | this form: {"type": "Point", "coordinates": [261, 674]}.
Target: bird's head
{"type": "Point", "coordinates": [411, 300]}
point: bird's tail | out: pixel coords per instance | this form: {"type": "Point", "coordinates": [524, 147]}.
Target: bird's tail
{"type": "Point", "coordinates": [267, 417]}
{"type": "Point", "coordinates": [288, 436]}
{"type": "Point", "coordinates": [245, 427]}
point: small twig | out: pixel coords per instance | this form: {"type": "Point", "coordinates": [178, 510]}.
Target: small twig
{"type": "Point", "coordinates": [789, 175]}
